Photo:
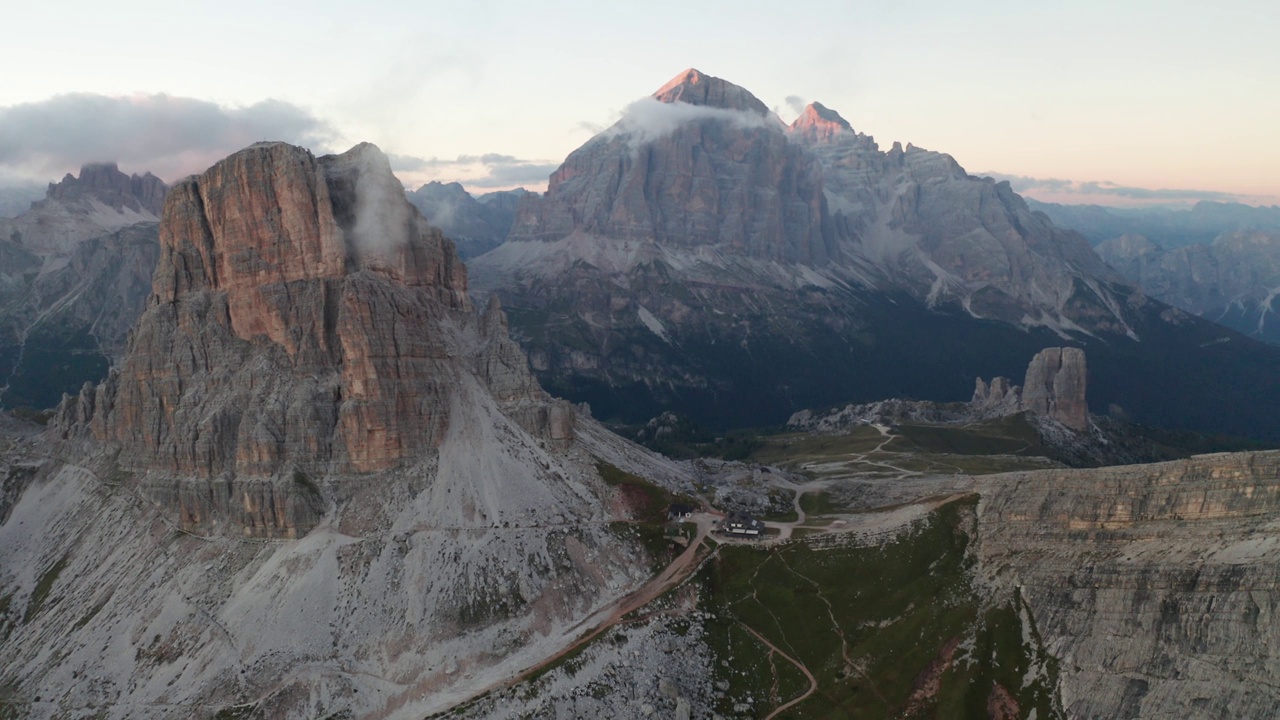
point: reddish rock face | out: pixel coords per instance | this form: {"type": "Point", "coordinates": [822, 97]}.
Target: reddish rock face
{"type": "Point", "coordinates": [818, 123]}
{"type": "Point", "coordinates": [695, 88]}
{"type": "Point", "coordinates": [304, 315]}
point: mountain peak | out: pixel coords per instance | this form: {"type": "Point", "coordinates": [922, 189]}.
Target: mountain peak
{"type": "Point", "coordinates": [103, 181]}
{"type": "Point", "coordinates": [817, 113]}
{"type": "Point", "coordinates": [819, 122]}
{"type": "Point", "coordinates": [697, 88]}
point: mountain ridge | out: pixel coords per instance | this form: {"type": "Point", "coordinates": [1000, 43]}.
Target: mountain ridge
{"type": "Point", "coordinates": [737, 272]}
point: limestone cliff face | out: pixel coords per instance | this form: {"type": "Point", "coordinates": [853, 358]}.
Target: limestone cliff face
{"type": "Point", "coordinates": [1054, 388]}
{"type": "Point", "coordinates": [1155, 586]}
{"type": "Point", "coordinates": [950, 237]}
{"type": "Point", "coordinates": [304, 316]}
{"type": "Point", "coordinates": [701, 163]}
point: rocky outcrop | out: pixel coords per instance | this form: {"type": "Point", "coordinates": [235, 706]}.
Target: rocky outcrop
{"type": "Point", "coordinates": [304, 316]}
{"type": "Point", "coordinates": [998, 398]}
{"type": "Point", "coordinates": [1154, 586]}
{"type": "Point", "coordinates": [1055, 386]}
{"type": "Point", "coordinates": [1054, 390]}
{"type": "Point", "coordinates": [105, 183]}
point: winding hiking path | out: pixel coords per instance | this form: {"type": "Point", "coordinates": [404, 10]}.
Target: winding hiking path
{"type": "Point", "coordinates": [606, 617]}
{"type": "Point", "coordinates": [813, 682]}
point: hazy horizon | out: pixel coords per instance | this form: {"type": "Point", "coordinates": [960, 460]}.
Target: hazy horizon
{"type": "Point", "coordinates": [1164, 103]}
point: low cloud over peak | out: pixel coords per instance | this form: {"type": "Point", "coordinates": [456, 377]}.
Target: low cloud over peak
{"type": "Point", "coordinates": [168, 135]}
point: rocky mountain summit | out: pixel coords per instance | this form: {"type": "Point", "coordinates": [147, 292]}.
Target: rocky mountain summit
{"type": "Point", "coordinates": [931, 228]}
{"type": "Point", "coordinates": [702, 164]}
{"type": "Point", "coordinates": [1233, 280]}
{"type": "Point", "coordinates": [75, 271]}
{"type": "Point", "coordinates": [699, 256]}
{"type": "Point", "coordinates": [101, 200]}
{"type": "Point", "coordinates": [318, 480]}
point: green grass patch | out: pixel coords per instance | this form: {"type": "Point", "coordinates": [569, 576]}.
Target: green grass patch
{"type": "Point", "coordinates": [819, 503]}
{"type": "Point", "coordinates": [794, 447]}
{"type": "Point", "coordinates": [1011, 435]}
{"type": "Point", "coordinates": [872, 623]}
{"type": "Point", "coordinates": [7, 620]}
{"type": "Point", "coordinates": [648, 502]}
{"type": "Point", "coordinates": [43, 586]}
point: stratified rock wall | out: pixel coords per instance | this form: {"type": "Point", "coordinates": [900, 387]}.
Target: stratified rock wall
{"type": "Point", "coordinates": [303, 315]}
{"type": "Point", "coordinates": [1055, 386]}
{"type": "Point", "coordinates": [1155, 586]}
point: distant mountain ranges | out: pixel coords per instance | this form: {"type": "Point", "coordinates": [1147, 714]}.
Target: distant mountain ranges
{"type": "Point", "coordinates": [703, 257]}
{"type": "Point", "coordinates": [1220, 261]}
{"type": "Point", "coordinates": [1170, 228]}
{"type": "Point", "coordinates": [75, 271]}
{"type": "Point", "coordinates": [475, 224]}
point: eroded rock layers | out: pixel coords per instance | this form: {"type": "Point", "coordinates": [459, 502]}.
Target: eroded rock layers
{"type": "Point", "coordinates": [304, 319]}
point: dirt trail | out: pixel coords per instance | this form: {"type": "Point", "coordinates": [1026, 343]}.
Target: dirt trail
{"type": "Point", "coordinates": [813, 682]}
{"type": "Point", "coordinates": [674, 574]}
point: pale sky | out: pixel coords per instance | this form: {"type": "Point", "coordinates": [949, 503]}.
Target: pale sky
{"type": "Point", "coordinates": [1158, 95]}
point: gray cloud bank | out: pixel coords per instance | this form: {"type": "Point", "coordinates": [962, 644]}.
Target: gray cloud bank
{"type": "Point", "coordinates": [499, 170]}
{"type": "Point", "coordinates": [168, 135]}
{"type": "Point", "coordinates": [1030, 185]}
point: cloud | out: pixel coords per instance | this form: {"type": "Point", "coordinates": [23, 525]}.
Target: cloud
{"type": "Point", "coordinates": [796, 103]}
{"type": "Point", "coordinates": [1095, 190]}
{"type": "Point", "coordinates": [649, 119]}
{"type": "Point", "coordinates": [489, 170]}
{"type": "Point", "coordinates": [168, 135]}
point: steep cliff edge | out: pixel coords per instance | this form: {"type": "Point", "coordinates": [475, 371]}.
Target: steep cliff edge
{"type": "Point", "coordinates": [1155, 586]}
{"type": "Point", "coordinates": [302, 313]}
{"type": "Point", "coordinates": [319, 482]}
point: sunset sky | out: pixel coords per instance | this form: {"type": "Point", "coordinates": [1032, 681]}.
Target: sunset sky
{"type": "Point", "coordinates": [1079, 101]}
